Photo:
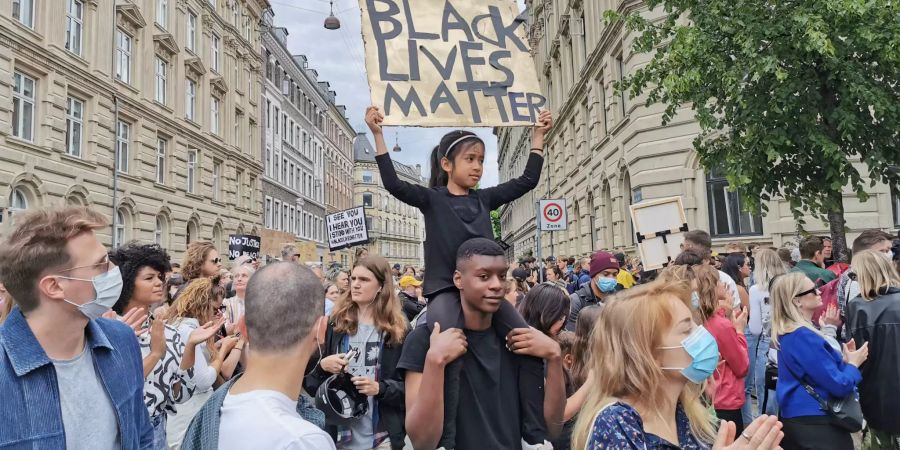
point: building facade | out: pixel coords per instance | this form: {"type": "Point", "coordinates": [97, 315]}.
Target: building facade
{"type": "Point", "coordinates": [293, 193]}
{"type": "Point", "coordinates": [396, 230]}
{"type": "Point", "coordinates": [147, 111]}
{"type": "Point", "coordinates": [338, 141]}
{"type": "Point", "coordinates": [608, 151]}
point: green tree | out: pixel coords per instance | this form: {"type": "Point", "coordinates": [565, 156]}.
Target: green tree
{"type": "Point", "coordinates": [495, 223]}
{"type": "Point", "coordinates": [787, 93]}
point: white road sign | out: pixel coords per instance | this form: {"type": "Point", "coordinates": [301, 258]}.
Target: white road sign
{"type": "Point", "coordinates": [552, 215]}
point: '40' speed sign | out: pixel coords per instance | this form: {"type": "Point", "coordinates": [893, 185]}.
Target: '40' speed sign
{"type": "Point", "coordinates": [552, 215]}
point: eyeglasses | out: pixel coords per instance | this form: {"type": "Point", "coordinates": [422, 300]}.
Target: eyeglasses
{"type": "Point", "coordinates": [103, 266]}
{"type": "Point", "coordinates": [807, 292]}
{"type": "Point", "coordinates": [215, 260]}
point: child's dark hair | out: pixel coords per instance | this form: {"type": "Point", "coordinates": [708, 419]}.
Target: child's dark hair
{"type": "Point", "coordinates": [451, 144]}
{"type": "Point", "coordinates": [544, 306]}
{"type": "Point", "coordinates": [478, 247]}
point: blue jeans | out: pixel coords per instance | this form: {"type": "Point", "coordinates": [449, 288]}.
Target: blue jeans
{"type": "Point", "coordinates": [159, 432]}
{"type": "Point", "coordinates": [755, 382]}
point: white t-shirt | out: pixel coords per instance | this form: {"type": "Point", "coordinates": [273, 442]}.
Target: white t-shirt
{"type": "Point", "coordinates": [725, 278]}
{"type": "Point", "coordinates": [267, 419]}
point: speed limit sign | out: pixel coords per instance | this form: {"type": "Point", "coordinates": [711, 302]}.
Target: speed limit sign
{"type": "Point", "coordinates": [552, 215]}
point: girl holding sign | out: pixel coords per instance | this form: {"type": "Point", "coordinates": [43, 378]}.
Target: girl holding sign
{"type": "Point", "coordinates": [455, 212]}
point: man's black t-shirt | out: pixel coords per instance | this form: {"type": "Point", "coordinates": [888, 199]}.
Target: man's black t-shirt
{"type": "Point", "coordinates": [489, 413]}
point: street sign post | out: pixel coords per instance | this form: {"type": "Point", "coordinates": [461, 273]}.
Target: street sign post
{"type": "Point", "coordinates": [552, 215]}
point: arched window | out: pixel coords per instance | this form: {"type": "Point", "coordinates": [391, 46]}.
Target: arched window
{"type": "Point", "coordinates": [606, 217]}
{"type": "Point", "coordinates": [217, 237]}
{"type": "Point", "coordinates": [158, 231]}
{"type": "Point", "coordinates": [628, 197]}
{"type": "Point", "coordinates": [120, 228]}
{"type": "Point", "coordinates": [367, 199]}
{"type": "Point", "coordinates": [18, 201]}
{"type": "Point", "coordinates": [191, 235]}
{"type": "Point", "coordinates": [726, 211]}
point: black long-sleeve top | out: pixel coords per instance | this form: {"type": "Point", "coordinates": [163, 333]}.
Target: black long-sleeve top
{"type": "Point", "coordinates": [451, 219]}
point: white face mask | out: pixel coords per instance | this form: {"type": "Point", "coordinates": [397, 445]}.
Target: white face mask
{"type": "Point", "coordinates": [107, 289]}
{"type": "Point", "coordinates": [889, 255]}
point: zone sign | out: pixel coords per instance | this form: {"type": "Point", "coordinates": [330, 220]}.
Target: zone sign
{"type": "Point", "coordinates": [553, 215]}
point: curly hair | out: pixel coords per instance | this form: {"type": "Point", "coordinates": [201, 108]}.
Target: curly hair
{"type": "Point", "coordinates": [194, 258]}
{"type": "Point", "coordinates": [131, 258]}
{"type": "Point", "coordinates": [194, 302]}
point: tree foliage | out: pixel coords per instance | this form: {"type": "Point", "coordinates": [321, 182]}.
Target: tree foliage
{"type": "Point", "coordinates": [787, 92]}
{"type": "Point", "coordinates": [495, 224]}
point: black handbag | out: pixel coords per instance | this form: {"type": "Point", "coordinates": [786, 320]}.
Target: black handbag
{"type": "Point", "coordinates": [845, 413]}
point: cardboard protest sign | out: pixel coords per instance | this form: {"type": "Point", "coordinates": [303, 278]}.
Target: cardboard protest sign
{"type": "Point", "coordinates": [347, 228]}
{"type": "Point", "coordinates": [243, 244]}
{"type": "Point", "coordinates": [450, 63]}
{"type": "Point", "coordinates": [659, 227]}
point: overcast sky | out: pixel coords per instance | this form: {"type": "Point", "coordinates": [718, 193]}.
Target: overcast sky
{"type": "Point", "coordinates": [338, 57]}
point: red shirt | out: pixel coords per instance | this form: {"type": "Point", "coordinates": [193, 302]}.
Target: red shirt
{"type": "Point", "coordinates": [733, 362]}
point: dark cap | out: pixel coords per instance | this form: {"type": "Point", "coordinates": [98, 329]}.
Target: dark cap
{"type": "Point", "coordinates": [397, 266]}
{"type": "Point", "coordinates": [520, 274]}
{"type": "Point", "coordinates": [602, 261]}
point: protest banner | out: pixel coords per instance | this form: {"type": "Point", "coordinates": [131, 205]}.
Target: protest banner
{"type": "Point", "coordinates": [243, 244]}
{"type": "Point", "coordinates": [453, 63]}
{"type": "Point", "coordinates": [347, 228]}
{"type": "Point", "coordinates": [659, 227]}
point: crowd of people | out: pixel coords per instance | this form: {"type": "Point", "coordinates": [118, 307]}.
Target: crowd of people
{"type": "Point", "coordinates": [739, 350]}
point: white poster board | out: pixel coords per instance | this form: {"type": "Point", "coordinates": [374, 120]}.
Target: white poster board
{"type": "Point", "coordinates": [659, 227]}
{"type": "Point", "coordinates": [347, 228]}
{"type": "Point", "coordinates": [437, 63]}
{"type": "Point", "coordinates": [552, 215]}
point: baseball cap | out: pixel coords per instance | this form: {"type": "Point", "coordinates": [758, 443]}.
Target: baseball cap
{"type": "Point", "coordinates": [397, 266]}
{"type": "Point", "coordinates": [520, 274]}
{"type": "Point", "coordinates": [409, 280]}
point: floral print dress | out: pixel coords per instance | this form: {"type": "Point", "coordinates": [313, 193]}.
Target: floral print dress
{"type": "Point", "coordinates": [619, 427]}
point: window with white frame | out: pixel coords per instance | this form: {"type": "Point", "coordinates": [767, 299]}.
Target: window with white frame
{"type": "Point", "coordinates": [18, 201]}
{"type": "Point", "coordinates": [23, 106]}
{"type": "Point", "coordinates": [214, 115]}
{"type": "Point", "coordinates": [190, 98]}
{"type": "Point", "coordinates": [239, 177]}
{"type": "Point", "coordinates": [191, 171]}
{"type": "Point", "coordinates": [123, 56]}
{"type": "Point", "coordinates": [191, 38]}
{"type": "Point", "coordinates": [268, 213]}
{"type": "Point", "coordinates": [74, 126]}
{"type": "Point", "coordinates": [727, 216]}
{"type": "Point", "coordinates": [162, 69]}
{"type": "Point", "coordinates": [367, 199]}
{"type": "Point", "coordinates": [74, 25]}
{"type": "Point", "coordinates": [161, 147]}
{"type": "Point", "coordinates": [216, 44]}
{"type": "Point", "coordinates": [293, 217]}
{"type": "Point", "coordinates": [23, 11]}
{"type": "Point", "coordinates": [162, 12]}
{"type": "Point", "coordinates": [158, 231]}
{"type": "Point", "coordinates": [276, 213]}
{"type": "Point", "coordinates": [120, 228]}
{"type": "Point", "coordinates": [123, 133]}
{"type": "Point", "coordinates": [217, 180]}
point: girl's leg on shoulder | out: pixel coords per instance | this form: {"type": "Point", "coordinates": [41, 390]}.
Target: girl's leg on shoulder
{"type": "Point", "coordinates": [444, 308]}
{"type": "Point", "coordinates": [506, 319]}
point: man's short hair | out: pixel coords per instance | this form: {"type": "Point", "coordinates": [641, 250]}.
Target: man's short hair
{"type": "Point", "coordinates": [287, 251]}
{"type": "Point", "coordinates": [699, 238]}
{"type": "Point", "coordinates": [282, 304]}
{"type": "Point", "coordinates": [477, 247]}
{"type": "Point", "coordinates": [809, 246]}
{"type": "Point", "coordinates": [37, 243]}
{"type": "Point", "coordinates": [688, 258]}
{"type": "Point", "coordinates": [869, 238]}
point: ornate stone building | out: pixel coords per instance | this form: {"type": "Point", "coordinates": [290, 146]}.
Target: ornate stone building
{"type": "Point", "coordinates": [608, 151]}
{"type": "Point", "coordinates": [337, 138]}
{"type": "Point", "coordinates": [396, 230]}
{"type": "Point", "coordinates": [146, 111]}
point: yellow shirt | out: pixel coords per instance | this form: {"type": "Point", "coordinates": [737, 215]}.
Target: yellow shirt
{"type": "Point", "coordinates": [625, 278]}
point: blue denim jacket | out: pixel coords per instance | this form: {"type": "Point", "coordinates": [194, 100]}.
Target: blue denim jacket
{"type": "Point", "coordinates": [30, 414]}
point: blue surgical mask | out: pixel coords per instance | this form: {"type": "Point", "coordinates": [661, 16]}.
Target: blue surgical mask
{"type": "Point", "coordinates": [695, 300]}
{"type": "Point", "coordinates": [607, 285]}
{"type": "Point", "coordinates": [704, 352]}
{"type": "Point", "coordinates": [107, 289]}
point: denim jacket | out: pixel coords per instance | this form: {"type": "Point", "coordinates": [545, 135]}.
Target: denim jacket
{"type": "Point", "coordinates": [30, 411]}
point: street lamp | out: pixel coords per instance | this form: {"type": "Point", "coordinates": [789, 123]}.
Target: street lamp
{"type": "Point", "coordinates": [332, 22]}
{"type": "Point", "coordinates": [396, 143]}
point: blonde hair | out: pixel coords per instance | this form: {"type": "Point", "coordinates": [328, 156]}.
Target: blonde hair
{"type": "Point", "coordinates": [624, 344]}
{"type": "Point", "coordinates": [386, 309]}
{"type": "Point", "coordinates": [874, 272]}
{"type": "Point", "coordinates": [786, 315]}
{"type": "Point", "coordinates": [195, 302]}
{"type": "Point", "coordinates": [767, 265]}
{"type": "Point", "coordinates": [707, 282]}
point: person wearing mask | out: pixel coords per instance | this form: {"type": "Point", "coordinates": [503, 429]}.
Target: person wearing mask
{"type": "Point", "coordinates": [812, 255]}
{"type": "Point", "coordinates": [759, 326]}
{"type": "Point", "coordinates": [873, 319]}
{"type": "Point", "coordinates": [169, 375]}
{"type": "Point", "coordinates": [737, 266]}
{"type": "Point", "coordinates": [650, 360]}
{"type": "Point", "coordinates": [367, 318]}
{"type": "Point", "coordinates": [68, 378]}
{"type": "Point", "coordinates": [197, 307]}
{"type": "Point", "coordinates": [494, 410]}
{"type": "Point", "coordinates": [714, 308]}
{"type": "Point", "coordinates": [332, 294]}
{"type": "Point", "coordinates": [848, 288]}
{"type": "Point", "coordinates": [234, 306]}
{"type": "Point", "coordinates": [700, 242]}
{"type": "Point", "coordinates": [603, 271]}
{"type": "Point", "coordinates": [257, 409]}
{"type": "Point", "coordinates": [408, 297]}
{"type": "Point", "coordinates": [805, 357]}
